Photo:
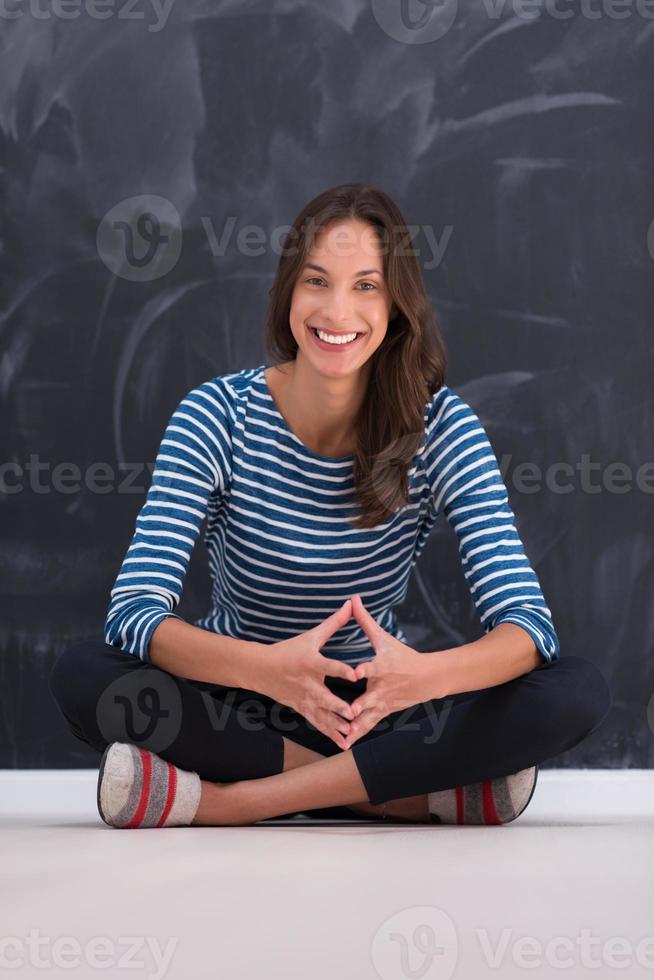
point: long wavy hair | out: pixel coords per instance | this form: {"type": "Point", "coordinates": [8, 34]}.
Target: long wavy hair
{"type": "Point", "coordinates": [408, 367]}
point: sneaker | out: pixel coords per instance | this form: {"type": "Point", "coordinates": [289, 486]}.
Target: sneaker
{"type": "Point", "coordinates": [138, 789]}
{"type": "Point", "coordinates": [493, 801]}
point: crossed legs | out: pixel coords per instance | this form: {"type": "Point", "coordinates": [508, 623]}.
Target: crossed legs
{"type": "Point", "coordinates": [308, 781]}
{"type": "Point", "coordinates": [251, 770]}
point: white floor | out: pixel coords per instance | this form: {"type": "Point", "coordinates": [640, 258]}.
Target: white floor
{"type": "Point", "coordinates": [566, 890]}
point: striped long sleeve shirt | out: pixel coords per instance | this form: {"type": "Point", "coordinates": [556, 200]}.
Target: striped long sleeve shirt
{"type": "Point", "coordinates": [282, 552]}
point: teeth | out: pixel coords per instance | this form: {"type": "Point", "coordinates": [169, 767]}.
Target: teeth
{"type": "Point", "coordinates": [331, 339]}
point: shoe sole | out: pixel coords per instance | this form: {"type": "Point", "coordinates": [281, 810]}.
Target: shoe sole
{"type": "Point", "coordinates": [435, 818]}
{"type": "Point", "coordinates": [100, 777]}
{"type": "Point", "coordinates": [511, 819]}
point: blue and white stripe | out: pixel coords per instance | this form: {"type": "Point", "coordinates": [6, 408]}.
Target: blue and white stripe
{"type": "Point", "coordinates": [282, 553]}
{"type": "Point", "coordinates": [466, 484]}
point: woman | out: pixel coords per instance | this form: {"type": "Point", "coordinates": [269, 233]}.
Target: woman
{"type": "Point", "coordinates": [320, 477]}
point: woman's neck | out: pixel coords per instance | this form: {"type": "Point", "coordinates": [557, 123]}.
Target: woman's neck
{"type": "Point", "coordinates": [320, 411]}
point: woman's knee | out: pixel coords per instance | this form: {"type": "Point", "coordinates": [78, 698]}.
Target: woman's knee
{"type": "Point", "coordinates": [87, 680]}
{"type": "Point", "coordinates": [74, 674]}
{"type": "Point", "coordinates": [66, 671]}
{"type": "Point", "coordinates": [589, 694]}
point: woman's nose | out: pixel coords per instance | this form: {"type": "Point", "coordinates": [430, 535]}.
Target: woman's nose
{"type": "Point", "coordinates": [339, 309]}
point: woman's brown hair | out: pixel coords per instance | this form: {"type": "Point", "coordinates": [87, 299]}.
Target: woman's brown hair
{"type": "Point", "coordinates": [408, 367]}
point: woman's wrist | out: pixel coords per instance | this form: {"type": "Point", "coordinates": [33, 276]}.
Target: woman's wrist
{"type": "Point", "coordinates": [255, 661]}
{"type": "Point", "coordinates": [434, 681]}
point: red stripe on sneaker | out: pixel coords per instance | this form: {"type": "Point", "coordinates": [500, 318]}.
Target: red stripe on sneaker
{"type": "Point", "coordinates": [460, 809]}
{"type": "Point", "coordinates": [170, 796]}
{"type": "Point", "coordinates": [141, 809]}
{"type": "Point", "coordinates": [488, 802]}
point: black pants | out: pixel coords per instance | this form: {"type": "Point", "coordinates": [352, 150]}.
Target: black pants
{"type": "Point", "coordinates": [226, 734]}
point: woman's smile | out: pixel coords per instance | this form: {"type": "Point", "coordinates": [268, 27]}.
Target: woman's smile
{"type": "Point", "coordinates": [337, 344]}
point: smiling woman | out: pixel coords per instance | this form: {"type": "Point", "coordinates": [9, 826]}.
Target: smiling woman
{"type": "Point", "coordinates": [355, 346]}
{"type": "Point", "coordinates": [320, 478]}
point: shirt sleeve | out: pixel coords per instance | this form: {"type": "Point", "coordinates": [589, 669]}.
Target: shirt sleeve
{"type": "Point", "coordinates": [467, 485]}
{"type": "Point", "coordinates": [193, 463]}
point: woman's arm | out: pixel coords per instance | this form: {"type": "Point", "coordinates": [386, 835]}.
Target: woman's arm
{"type": "Point", "coordinates": [193, 466]}
{"type": "Point", "coordinates": [188, 651]}
{"type": "Point", "coordinates": [499, 656]}
{"type": "Point", "coordinates": [467, 486]}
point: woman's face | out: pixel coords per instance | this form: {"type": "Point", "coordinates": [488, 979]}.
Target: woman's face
{"type": "Point", "coordinates": [341, 291]}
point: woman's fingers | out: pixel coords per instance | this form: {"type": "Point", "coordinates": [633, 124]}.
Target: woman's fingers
{"type": "Point", "coordinates": [339, 724]}
{"type": "Point", "coordinates": [332, 724]}
{"type": "Point", "coordinates": [364, 724]}
{"type": "Point", "coordinates": [369, 625]}
{"type": "Point", "coordinates": [332, 728]}
{"type": "Point", "coordinates": [336, 668]}
{"type": "Point", "coordinates": [334, 622]}
{"type": "Point", "coordinates": [333, 703]}
{"type": "Point", "coordinates": [371, 701]}
{"type": "Point", "coordinates": [365, 668]}
{"type": "Point", "coordinates": [361, 703]}
{"type": "Point", "coordinates": [338, 739]}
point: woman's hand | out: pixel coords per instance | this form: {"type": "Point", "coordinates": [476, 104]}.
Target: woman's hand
{"type": "Point", "coordinates": [397, 676]}
{"type": "Point", "coordinates": [295, 671]}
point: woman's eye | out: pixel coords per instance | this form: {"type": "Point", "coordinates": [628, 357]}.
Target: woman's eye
{"type": "Point", "coordinates": [317, 279]}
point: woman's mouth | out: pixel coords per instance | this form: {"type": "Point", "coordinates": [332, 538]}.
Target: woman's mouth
{"type": "Point", "coordinates": [337, 342]}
